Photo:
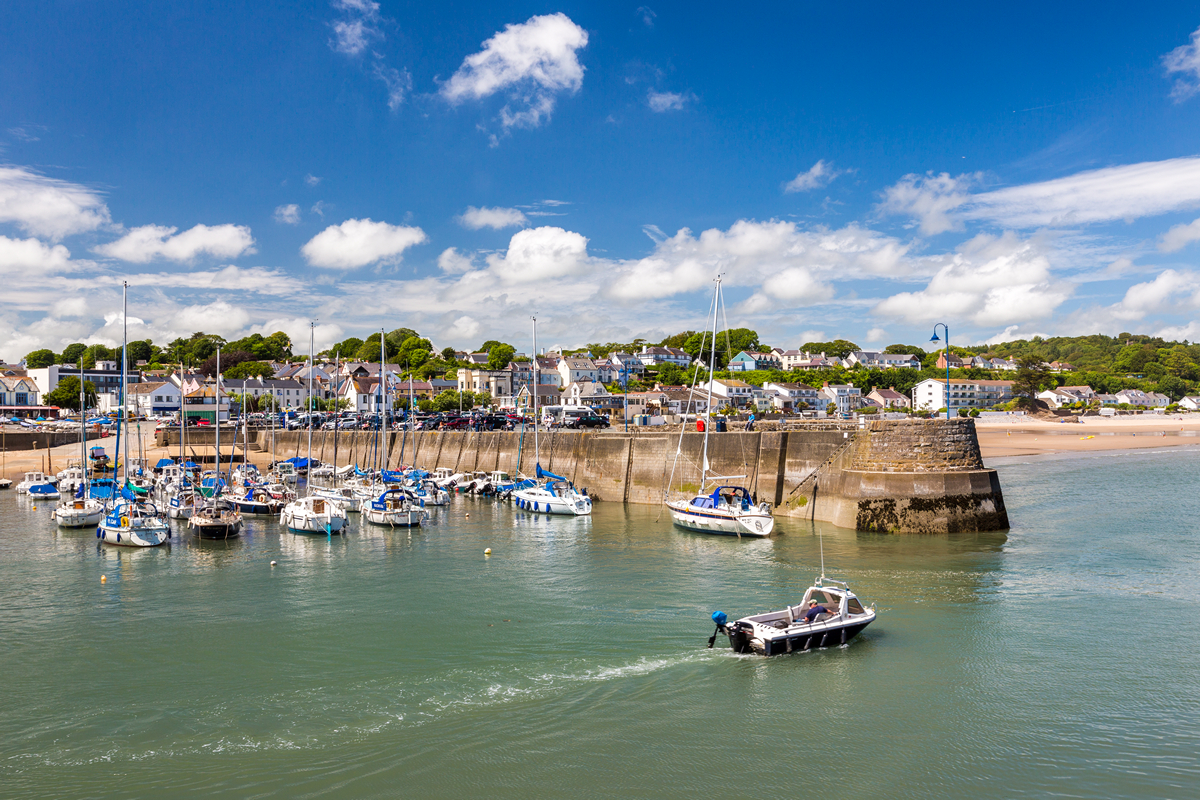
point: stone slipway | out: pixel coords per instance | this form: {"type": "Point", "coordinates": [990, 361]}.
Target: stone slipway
{"type": "Point", "coordinates": [913, 476]}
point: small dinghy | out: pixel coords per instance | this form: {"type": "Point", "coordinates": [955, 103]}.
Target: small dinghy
{"type": "Point", "coordinates": [827, 616]}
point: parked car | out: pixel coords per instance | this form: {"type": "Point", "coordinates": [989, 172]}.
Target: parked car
{"type": "Point", "coordinates": [590, 420]}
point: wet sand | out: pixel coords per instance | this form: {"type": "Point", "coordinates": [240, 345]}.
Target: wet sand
{"type": "Point", "coordinates": [1031, 437]}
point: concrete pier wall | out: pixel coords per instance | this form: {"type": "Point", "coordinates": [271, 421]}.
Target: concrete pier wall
{"type": "Point", "coordinates": [920, 476]}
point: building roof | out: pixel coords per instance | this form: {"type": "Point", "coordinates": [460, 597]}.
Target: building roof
{"type": "Point", "coordinates": [147, 388]}
{"type": "Point", "coordinates": [732, 383]}
{"type": "Point", "coordinates": [794, 387]}
{"type": "Point", "coordinates": [889, 394]}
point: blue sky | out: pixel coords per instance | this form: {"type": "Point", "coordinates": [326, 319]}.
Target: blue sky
{"type": "Point", "coordinates": [857, 171]}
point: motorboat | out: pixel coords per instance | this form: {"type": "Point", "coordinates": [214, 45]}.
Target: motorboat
{"type": "Point", "coordinates": [285, 471]}
{"type": "Point", "coordinates": [446, 478]}
{"type": "Point", "coordinates": [791, 631]}
{"type": "Point", "coordinates": [133, 523]}
{"type": "Point", "coordinates": [553, 494]}
{"type": "Point", "coordinates": [393, 508]}
{"type": "Point", "coordinates": [44, 491]}
{"type": "Point", "coordinates": [313, 515]}
{"type": "Point", "coordinates": [32, 479]}
{"type": "Point", "coordinates": [181, 501]}
{"type": "Point", "coordinates": [347, 498]}
{"type": "Point", "coordinates": [430, 494]}
{"type": "Point", "coordinates": [215, 519]}
{"type": "Point", "coordinates": [71, 478]}
{"type": "Point", "coordinates": [257, 501]}
{"type": "Point", "coordinates": [728, 510]}
{"type": "Point", "coordinates": [78, 512]}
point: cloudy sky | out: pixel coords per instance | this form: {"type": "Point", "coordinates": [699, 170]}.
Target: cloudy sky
{"type": "Point", "coordinates": [854, 170]}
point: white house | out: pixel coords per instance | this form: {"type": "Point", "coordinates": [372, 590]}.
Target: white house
{"type": "Point", "coordinates": [153, 398]}
{"type": "Point", "coordinates": [874, 359]}
{"type": "Point", "coordinates": [17, 393]}
{"type": "Point", "coordinates": [846, 397]}
{"type": "Point", "coordinates": [496, 382]}
{"type": "Point", "coordinates": [586, 393]}
{"type": "Point", "coordinates": [574, 370]}
{"type": "Point", "coordinates": [664, 355]}
{"type": "Point", "coordinates": [106, 377]}
{"type": "Point", "coordinates": [1191, 402]}
{"type": "Point", "coordinates": [287, 393]}
{"type": "Point", "coordinates": [930, 394]}
{"type": "Point", "coordinates": [889, 398]}
{"type": "Point", "coordinates": [1136, 397]}
{"type": "Point", "coordinates": [788, 396]}
{"type": "Point", "coordinates": [736, 393]}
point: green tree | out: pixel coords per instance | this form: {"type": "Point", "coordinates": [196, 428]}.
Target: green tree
{"type": "Point", "coordinates": [72, 353]}
{"type": "Point", "coordinates": [40, 359]}
{"type": "Point", "coordinates": [1032, 377]}
{"type": "Point", "coordinates": [347, 348]}
{"type": "Point", "coordinates": [249, 369]}
{"type": "Point", "coordinates": [838, 348]}
{"type": "Point", "coordinates": [907, 349]}
{"type": "Point", "coordinates": [448, 354]}
{"type": "Point", "coordinates": [399, 336]}
{"type": "Point", "coordinates": [140, 351]}
{"type": "Point", "coordinates": [66, 394]}
{"type": "Point", "coordinates": [500, 356]}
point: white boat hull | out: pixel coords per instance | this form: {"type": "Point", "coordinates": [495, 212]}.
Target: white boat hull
{"type": "Point", "coordinates": [410, 518]}
{"type": "Point", "coordinates": [82, 515]}
{"type": "Point", "coordinates": [724, 522]}
{"type": "Point", "coordinates": [147, 534]}
{"type": "Point", "coordinates": [300, 517]}
{"type": "Point", "coordinates": [541, 501]}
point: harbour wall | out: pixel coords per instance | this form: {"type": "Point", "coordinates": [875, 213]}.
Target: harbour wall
{"type": "Point", "coordinates": [42, 440]}
{"type": "Point", "coordinates": [912, 476]}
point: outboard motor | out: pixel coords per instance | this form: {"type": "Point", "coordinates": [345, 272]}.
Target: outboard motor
{"type": "Point", "coordinates": [719, 618]}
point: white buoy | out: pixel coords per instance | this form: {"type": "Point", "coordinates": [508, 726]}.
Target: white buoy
{"type": "Point", "coordinates": [272, 563]}
{"type": "Point", "coordinates": [487, 552]}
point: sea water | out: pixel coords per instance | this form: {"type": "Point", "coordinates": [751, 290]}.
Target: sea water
{"type": "Point", "coordinates": [1054, 659]}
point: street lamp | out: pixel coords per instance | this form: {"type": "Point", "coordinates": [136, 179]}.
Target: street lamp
{"type": "Point", "coordinates": [945, 330]}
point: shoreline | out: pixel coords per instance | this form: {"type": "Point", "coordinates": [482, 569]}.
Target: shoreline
{"type": "Point", "coordinates": [1032, 438]}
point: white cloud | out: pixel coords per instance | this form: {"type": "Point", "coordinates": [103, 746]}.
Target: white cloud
{"type": "Point", "coordinates": [465, 328]}
{"type": "Point", "coordinates": [355, 33]}
{"type": "Point", "coordinates": [311, 180]}
{"type": "Point", "coordinates": [453, 262]}
{"type": "Point", "coordinates": [495, 218]}
{"type": "Point", "coordinates": [988, 281]}
{"type": "Point", "coordinates": [1189, 332]}
{"type": "Point", "coordinates": [47, 206]}
{"type": "Point", "coordinates": [876, 335]}
{"type": "Point", "coordinates": [531, 61]}
{"type": "Point", "coordinates": [25, 256]}
{"type": "Point", "coordinates": [666, 101]}
{"type": "Point", "coordinates": [751, 252]}
{"type": "Point", "coordinates": [1185, 59]}
{"type": "Point", "coordinates": [149, 242]}
{"type": "Point", "coordinates": [1180, 236]}
{"type": "Point", "coordinates": [941, 203]}
{"type": "Point", "coordinates": [288, 215]}
{"type": "Point", "coordinates": [398, 82]}
{"type": "Point", "coordinates": [929, 199]}
{"type": "Point", "coordinates": [818, 175]}
{"type": "Point", "coordinates": [217, 317]}
{"type": "Point", "coordinates": [540, 254]}
{"type": "Point", "coordinates": [324, 334]}
{"type": "Point", "coordinates": [358, 242]}
{"type": "Point", "coordinates": [318, 208]}
{"type": "Point", "coordinates": [1114, 193]}
{"type": "Point", "coordinates": [648, 16]}
{"type": "Point", "coordinates": [1170, 290]}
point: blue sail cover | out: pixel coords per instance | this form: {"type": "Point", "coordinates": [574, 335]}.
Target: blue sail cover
{"type": "Point", "coordinates": [189, 464]}
{"type": "Point", "coordinates": [298, 463]}
{"type": "Point", "coordinates": [541, 473]}
{"type": "Point", "coordinates": [164, 462]}
{"type": "Point", "coordinates": [393, 477]}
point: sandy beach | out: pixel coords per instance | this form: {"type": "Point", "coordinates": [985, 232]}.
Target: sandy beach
{"type": "Point", "coordinates": [1032, 437]}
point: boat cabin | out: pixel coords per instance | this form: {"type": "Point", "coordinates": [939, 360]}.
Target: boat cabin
{"type": "Point", "coordinates": [731, 496]}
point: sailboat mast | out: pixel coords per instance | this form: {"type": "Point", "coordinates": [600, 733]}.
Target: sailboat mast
{"type": "Point", "coordinates": [124, 341]}
{"type": "Point", "coordinates": [337, 427]}
{"type": "Point", "coordinates": [712, 361]}
{"type": "Point", "coordinates": [311, 352]}
{"type": "Point", "coordinates": [383, 394]}
{"type": "Point", "coordinates": [217, 423]}
{"type": "Point", "coordinates": [537, 456]}
{"type": "Point", "coordinates": [82, 426]}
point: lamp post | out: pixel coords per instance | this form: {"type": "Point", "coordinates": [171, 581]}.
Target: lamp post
{"type": "Point", "coordinates": [946, 331]}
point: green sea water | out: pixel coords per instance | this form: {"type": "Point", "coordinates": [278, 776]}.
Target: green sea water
{"type": "Point", "coordinates": [1058, 659]}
